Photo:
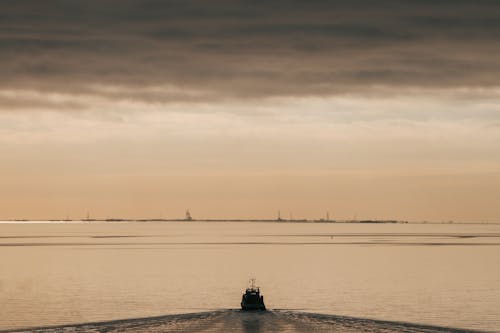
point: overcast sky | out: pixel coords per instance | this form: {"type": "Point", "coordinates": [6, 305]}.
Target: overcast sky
{"type": "Point", "coordinates": [366, 109]}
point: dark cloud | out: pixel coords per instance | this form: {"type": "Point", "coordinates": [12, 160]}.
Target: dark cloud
{"type": "Point", "coordinates": [29, 102]}
{"type": "Point", "coordinates": [247, 48]}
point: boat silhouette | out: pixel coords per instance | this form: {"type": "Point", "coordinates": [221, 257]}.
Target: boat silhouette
{"type": "Point", "coordinates": [252, 299]}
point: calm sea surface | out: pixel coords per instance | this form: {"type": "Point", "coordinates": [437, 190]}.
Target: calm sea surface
{"type": "Point", "coordinates": [74, 272]}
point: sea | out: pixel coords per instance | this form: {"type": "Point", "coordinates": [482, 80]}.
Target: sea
{"type": "Point", "coordinates": [190, 275]}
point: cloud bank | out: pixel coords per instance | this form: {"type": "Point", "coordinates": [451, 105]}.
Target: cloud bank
{"type": "Point", "coordinates": [197, 51]}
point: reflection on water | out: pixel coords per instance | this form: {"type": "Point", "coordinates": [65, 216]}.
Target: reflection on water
{"type": "Point", "coordinates": [444, 275]}
{"type": "Point", "coordinates": [251, 322]}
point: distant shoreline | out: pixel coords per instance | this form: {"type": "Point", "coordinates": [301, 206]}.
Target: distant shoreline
{"type": "Point", "coordinates": [367, 221]}
{"type": "Point", "coordinates": [210, 220]}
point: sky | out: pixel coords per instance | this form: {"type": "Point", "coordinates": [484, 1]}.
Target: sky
{"type": "Point", "coordinates": [383, 109]}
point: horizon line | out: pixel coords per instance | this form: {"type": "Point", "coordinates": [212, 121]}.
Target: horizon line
{"type": "Point", "coordinates": [278, 220]}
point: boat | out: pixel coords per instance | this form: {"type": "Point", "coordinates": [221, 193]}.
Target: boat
{"type": "Point", "coordinates": [252, 299]}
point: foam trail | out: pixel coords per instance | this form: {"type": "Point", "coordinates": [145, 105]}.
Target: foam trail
{"type": "Point", "coordinates": [249, 322]}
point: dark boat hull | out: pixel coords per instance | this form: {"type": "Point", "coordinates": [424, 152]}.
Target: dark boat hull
{"type": "Point", "coordinates": [255, 305]}
{"type": "Point", "coordinates": [249, 307]}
